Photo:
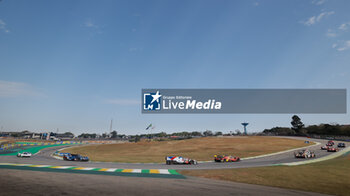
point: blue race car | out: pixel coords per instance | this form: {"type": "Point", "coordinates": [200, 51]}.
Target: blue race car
{"type": "Point", "coordinates": [74, 157]}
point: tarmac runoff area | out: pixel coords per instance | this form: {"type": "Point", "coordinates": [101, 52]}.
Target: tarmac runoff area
{"type": "Point", "coordinates": [21, 182]}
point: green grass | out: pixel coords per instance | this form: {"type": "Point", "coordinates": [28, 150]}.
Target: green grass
{"type": "Point", "coordinates": [329, 177]}
{"type": "Point", "coordinates": [33, 149]}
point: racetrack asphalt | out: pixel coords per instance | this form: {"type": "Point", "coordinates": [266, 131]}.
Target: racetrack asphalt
{"type": "Point", "coordinates": [27, 182]}
{"type": "Point", "coordinates": [44, 158]}
{"type": "Point", "coordinates": [18, 182]}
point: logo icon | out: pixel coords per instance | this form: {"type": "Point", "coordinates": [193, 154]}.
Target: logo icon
{"type": "Point", "coordinates": [151, 101]}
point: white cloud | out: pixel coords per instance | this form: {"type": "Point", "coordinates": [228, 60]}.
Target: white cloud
{"type": "Point", "coordinates": [93, 28]}
{"type": "Point", "coordinates": [135, 49]}
{"type": "Point", "coordinates": [123, 101]}
{"type": "Point", "coordinates": [318, 2]}
{"type": "Point", "coordinates": [256, 4]}
{"type": "Point", "coordinates": [315, 19]}
{"type": "Point", "coordinates": [3, 27]}
{"type": "Point", "coordinates": [331, 33]}
{"type": "Point", "coordinates": [17, 89]}
{"type": "Point", "coordinates": [320, 16]}
{"type": "Point", "coordinates": [310, 21]}
{"type": "Point", "coordinates": [345, 46]}
{"type": "Point", "coordinates": [90, 24]}
{"type": "Point", "coordinates": [344, 26]}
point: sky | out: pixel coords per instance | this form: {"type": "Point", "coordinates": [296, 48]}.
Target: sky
{"type": "Point", "coordinates": [74, 65]}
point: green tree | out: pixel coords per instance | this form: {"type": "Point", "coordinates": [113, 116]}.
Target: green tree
{"type": "Point", "coordinates": [114, 134]}
{"type": "Point", "coordinates": [208, 133]}
{"type": "Point", "coordinates": [137, 138]}
{"type": "Point", "coordinates": [196, 133]}
{"type": "Point", "coordinates": [297, 125]}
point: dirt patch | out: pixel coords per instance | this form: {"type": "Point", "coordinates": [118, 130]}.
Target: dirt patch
{"type": "Point", "coordinates": [202, 149]}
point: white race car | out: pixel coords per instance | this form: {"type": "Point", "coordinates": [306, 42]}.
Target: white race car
{"type": "Point", "coordinates": [179, 160]}
{"type": "Point", "coordinates": [24, 154]}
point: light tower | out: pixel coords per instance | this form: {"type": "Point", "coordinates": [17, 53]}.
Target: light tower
{"type": "Point", "coordinates": [111, 126]}
{"type": "Point", "coordinates": [245, 124]}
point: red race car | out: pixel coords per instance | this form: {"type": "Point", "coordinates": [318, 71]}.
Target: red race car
{"type": "Point", "coordinates": [325, 147]}
{"type": "Point", "coordinates": [225, 158]}
{"type": "Point", "coordinates": [332, 149]}
{"type": "Point", "coordinates": [330, 143]}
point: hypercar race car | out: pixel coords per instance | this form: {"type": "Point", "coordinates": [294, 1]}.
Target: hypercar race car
{"type": "Point", "coordinates": [341, 145]}
{"type": "Point", "coordinates": [330, 143]}
{"type": "Point", "coordinates": [304, 154]}
{"type": "Point", "coordinates": [24, 154]}
{"type": "Point", "coordinates": [332, 149]}
{"type": "Point", "coordinates": [225, 158]}
{"type": "Point", "coordinates": [74, 157]}
{"type": "Point", "coordinates": [179, 160]}
{"type": "Point", "coordinates": [325, 147]}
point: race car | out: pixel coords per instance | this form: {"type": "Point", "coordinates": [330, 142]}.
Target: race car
{"type": "Point", "coordinates": [225, 158]}
{"type": "Point", "coordinates": [74, 157]}
{"type": "Point", "coordinates": [304, 154]}
{"type": "Point", "coordinates": [24, 154]}
{"type": "Point", "coordinates": [332, 149]}
{"type": "Point", "coordinates": [330, 143]}
{"type": "Point", "coordinates": [341, 145]}
{"type": "Point", "coordinates": [179, 160]}
{"type": "Point", "coordinates": [325, 147]}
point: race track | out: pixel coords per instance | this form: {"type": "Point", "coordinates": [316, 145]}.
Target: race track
{"type": "Point", "coordinates": [44, 158]}
{"type": "Point", "coordinates": [60, 183]}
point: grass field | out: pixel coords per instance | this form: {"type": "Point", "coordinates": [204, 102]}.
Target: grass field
{"type": "Point", "coordinates": [201, 149]}
{"type": "Point", "coordinates": [31, 149]}
{"type": "Point", "coordinates": [330, 177]}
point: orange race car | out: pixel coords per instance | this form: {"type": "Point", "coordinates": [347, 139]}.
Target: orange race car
{"type": "Point", "coordinates": [225, 158]}
{"type": "Point", "coordinates": [332, 149]}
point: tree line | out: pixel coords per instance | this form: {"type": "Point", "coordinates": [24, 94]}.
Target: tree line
{"type": "Point", "coordinates": [298, 129]}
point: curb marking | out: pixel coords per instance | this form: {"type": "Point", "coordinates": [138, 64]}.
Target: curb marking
{"type": "Point", "coordinates": [136, 171]}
